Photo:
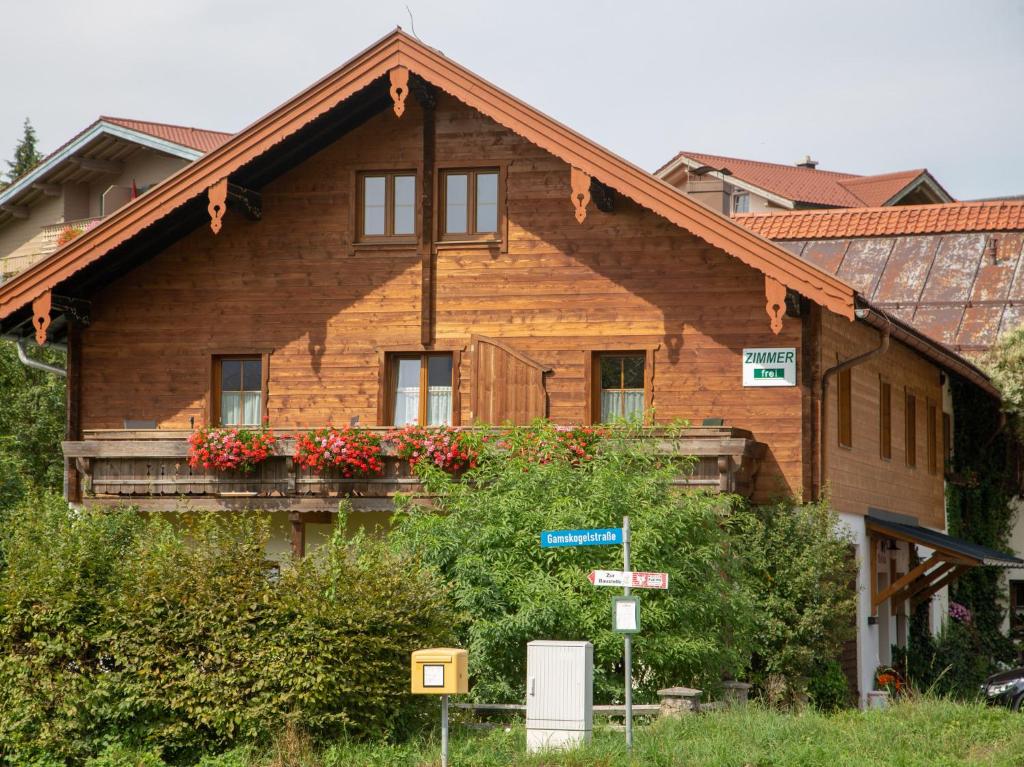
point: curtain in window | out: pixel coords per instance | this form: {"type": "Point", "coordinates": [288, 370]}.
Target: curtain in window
{"type": "Point", "coordinates": [439, 405]}
{"type": "Point", "coordinates": [621, 404]}
{"type": "Point", "coordinates": [230, 410]}
{"type": "Point", "coordinates": [407, 405]}
{"type": "Point", "coordinates": [251, 407]}
{"type": "Point", "coordinates": [241, 408]}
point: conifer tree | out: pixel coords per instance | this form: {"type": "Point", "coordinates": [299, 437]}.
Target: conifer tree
{"type": "Point", "coordinates": [26, 154]}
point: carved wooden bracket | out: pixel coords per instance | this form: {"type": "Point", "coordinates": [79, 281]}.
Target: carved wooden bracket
{"type": "Point", "coordinates": [775, 293]}
{"type": "Point", "coordinates": [218, 206]}
{"type": "Point", "coordinates": [41, 316]}
{"type": "Point", "coordinates": [399, 88]}
{"type": "Point", "coordinates": [580, 183]}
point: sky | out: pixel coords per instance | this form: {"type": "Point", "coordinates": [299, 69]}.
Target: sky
{"type": "Point", "coordinates": [863, 87]}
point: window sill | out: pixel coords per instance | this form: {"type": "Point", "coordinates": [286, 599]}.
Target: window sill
{"type": "Point", "coordinates": [384, 245]}
{"type": "Point", "coordinates": [462, 244]}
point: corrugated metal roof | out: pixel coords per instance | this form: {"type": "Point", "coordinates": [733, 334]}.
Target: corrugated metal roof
{"type": "Point", "coordinates": [960, 283]}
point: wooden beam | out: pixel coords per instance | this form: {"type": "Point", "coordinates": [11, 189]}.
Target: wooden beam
{"type": "Point", "coordinates": [73, 410]}
{"type": "Point", "coordinates": [18, 211]}
{"type": "Point", "coordinates": [50, 190]}
{"type": "Point", "coordinates": [873, 565]}
{"type": "Point", "coordinates": [170, 504]}
{"type": "Point", "coordinates": [927, 593]}
{"type": "Point", "coordinates": [906, 579]}
{"type": "Point", "coordinates": [97, 165]}
{"type": "Point", "coordinates": [428, 102]}
{"type": "Point", "coordinates": [950, 555]}
{"type": "Point", "coordinates": [247, 201]}
{"type": "Point", "coordinates": [298, 535]}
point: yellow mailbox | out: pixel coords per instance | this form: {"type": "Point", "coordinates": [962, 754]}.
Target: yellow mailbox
{"type": "Point", "coordinates": [440, 671]}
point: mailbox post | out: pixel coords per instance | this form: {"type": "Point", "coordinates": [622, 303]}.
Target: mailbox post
{"type": "Point", "coordinates": [441, 671]}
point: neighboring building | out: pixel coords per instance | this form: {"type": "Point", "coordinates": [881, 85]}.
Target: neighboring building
{"type": "Point", "coordinates": [951, 271]}
{"type": "Point", "coordinates": [405, 242]}
{"type": "Point", "coordinates": [87, 178]}
{"type": "Point", "coordinates": [730, 185]}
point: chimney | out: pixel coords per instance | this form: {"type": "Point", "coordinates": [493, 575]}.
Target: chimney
{"type": "Point", "coordinates": [807, 162]}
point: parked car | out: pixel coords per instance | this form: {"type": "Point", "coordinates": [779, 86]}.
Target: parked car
{"type": "Point", "coordinates": [1005, 689]}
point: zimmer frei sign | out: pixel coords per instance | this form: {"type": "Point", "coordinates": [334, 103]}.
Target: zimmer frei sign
{"type": "Point", "coordinates": [769, 367]}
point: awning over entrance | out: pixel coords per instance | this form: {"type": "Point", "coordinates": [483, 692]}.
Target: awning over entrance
{"type": "Point", "coordinates": [950, 559]}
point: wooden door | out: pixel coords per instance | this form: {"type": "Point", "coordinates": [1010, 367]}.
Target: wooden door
{"type": "Point", "coordinates": [508, 386]}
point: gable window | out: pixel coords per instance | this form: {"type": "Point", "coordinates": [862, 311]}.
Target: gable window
{"type": "Point", "coordinates": [741, 202]}
{"type": "Point", "coordinates": [386, 202]}
{"type": "Point", "coordinates": [420, 389]}
{"type": "Point", "coordinates": [239, 390]}
{"type": "Point", "coordinates": [469, 204]}
{"type": "Point", "coordinates": [622, 386]}
{"type": "Point", "coordinates": [910, 428]}
{"type": "Point", "coordinates": [931, 430]}
{"type": "Point", "coordinates": [846, 408]}
{"type": "Point", "coordinates": [884, 420]}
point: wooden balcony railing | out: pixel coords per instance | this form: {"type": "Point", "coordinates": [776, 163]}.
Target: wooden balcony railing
{"type": "Point", "coordinates": [39, 247]}
{"type": "Point", "coordinates": [149, 469]}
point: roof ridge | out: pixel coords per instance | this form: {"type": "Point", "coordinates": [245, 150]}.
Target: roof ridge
{"type": "Point", "coordinates": [110, 118]}
{"type": "Point", "coordinates": [796, 168]}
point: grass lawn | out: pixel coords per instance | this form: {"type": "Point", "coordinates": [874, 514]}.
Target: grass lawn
{"type": "Point", "coordinates": [932, 733]}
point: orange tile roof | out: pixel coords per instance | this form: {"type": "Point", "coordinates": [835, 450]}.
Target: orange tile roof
{"type": "Point", "coordinates": [809, 185]}
{"type": "Point", "coordinates": [194, 138]}
{"type": "Point", "coordinates": [991, 216]}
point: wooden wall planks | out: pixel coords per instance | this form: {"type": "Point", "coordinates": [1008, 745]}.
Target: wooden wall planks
{"type": "Point", "coordinates": [296, 284]}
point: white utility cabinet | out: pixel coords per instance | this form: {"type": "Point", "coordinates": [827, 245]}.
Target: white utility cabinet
{"type": "Point", "coordinates": [559, 694]}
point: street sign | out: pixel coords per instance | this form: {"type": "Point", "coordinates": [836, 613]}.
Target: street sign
{"type": "Point", "coordinates": [769, 367]}
{"type": "Point", "coordinates": [604, 536]}
{"type": "Point", "coordinates": [634, 580]}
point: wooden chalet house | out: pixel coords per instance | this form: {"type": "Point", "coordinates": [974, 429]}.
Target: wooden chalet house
{"type": "Point", "coordinates": [404, 241]}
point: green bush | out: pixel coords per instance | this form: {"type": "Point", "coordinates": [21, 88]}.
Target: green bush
{"type": "Point", "coordinates": [953, 663]}
{"type": "Point", "coordinates": [800, 575]}
{"type": "Point", "coordinates": [181, 639]}
{"type": "Point", "coordinates": [828, 688]}
{"type": "Point", "coordinates": [486, 543]}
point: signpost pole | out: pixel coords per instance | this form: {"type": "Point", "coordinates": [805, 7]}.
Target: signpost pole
{"type": "Point", "coordinates": [628, 640]}
{"type": "Point", "coordinates": [444, 731]}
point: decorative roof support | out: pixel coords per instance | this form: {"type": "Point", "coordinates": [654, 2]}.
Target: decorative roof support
{"type": "Point", "coordinates": [41, 316]}
{"type": "Point", "coordinates": [218, 206]}
{"type": "Point", "coordinates": [775, 293]}
{"type": "Point", "coordinates": [580, 183]}
{"type": "Point", "coordinates": [399, 88]}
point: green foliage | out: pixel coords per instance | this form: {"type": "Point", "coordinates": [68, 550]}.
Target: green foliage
{"type": "Point", "coordinates": [978, 509]}
{"type": "Point", "coordinates": [31, 426]}
{"type": "Point", "coordinates": [1005, 366]}
{"type": "Point", "coordinates": [486, 544]}
{"type": "Point", "coordinates": [120, 755]}
{"type": "Point", "coordinates": [953, 663]}
{"type": "Point", "coordinates": [179, 638]}
{"type": "Point", "coordinates": [26, 154]}
{"type": "Point", "coordinates": [800, 572]}
{"type": "Point", "coordinates": [828, 688]}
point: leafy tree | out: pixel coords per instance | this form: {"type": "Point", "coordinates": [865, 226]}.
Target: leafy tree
{"type": "Point", "coordinates": [801, 575]}
{"type": "Point", "coordinates": [31, 425]}
{"type": "Point", "coordinates": [486, 543]}
{"type": "Point", "coordinates": [26, 154]}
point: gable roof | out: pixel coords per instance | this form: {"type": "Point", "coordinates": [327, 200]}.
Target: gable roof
{"type": "Point", "coordinates": [400, 50]}
{"type": "Point", "coordinates": [787, 184]}
{"type": "Point", "coordinates": [200, 139]}
{"type": "Point", "coordinates": [952, 271]}
{"type": "Point", "coordinates": [109, 138]}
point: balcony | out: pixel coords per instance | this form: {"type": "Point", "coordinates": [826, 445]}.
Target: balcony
{"type": "Point", "coordinates": [149, 469]}
{"type": "Point", "coordinates": [39, 247]}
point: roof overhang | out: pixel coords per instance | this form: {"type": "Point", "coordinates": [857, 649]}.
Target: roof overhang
{"type": "Point", "coordinates": [393, 54]}
{"type": "Point", "coordinates": [949, 559]}
{"type": "Point", "coordinates": [722, 174]}
{"type": "Point", "coordinates": [927, 181]}
{"type": "Point", "coordinates": [100, 128]}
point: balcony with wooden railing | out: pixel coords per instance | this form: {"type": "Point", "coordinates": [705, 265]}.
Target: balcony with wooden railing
{"type": "Point", "coordinates": [149, 469]}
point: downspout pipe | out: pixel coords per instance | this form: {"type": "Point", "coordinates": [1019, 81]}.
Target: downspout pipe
{"type": "Point", "coordinates": [36, 364]}
{"type": "Point", "coordinates": [882, 348]}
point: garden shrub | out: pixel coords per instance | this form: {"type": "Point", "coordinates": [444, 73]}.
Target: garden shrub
{"type": "Point", "coordinates": [486, 543]}
{"type": "Point", "coordinates": [827, 687]}
{"type": "Point", "coordinates": [952, 663]}
{"type": "Point", "coordinates": [182, 639]}
{"type": "Point", "coordinates": [800, 573]}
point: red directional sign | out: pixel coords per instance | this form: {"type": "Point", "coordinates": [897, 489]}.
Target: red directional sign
{"type": "Point", "coordinates": [620, 578]}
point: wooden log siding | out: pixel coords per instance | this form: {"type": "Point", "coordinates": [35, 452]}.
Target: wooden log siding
{"type": "Point", "coordinates": [294, 283]}
{"type": "Point", "coordinates": [508, 387]}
